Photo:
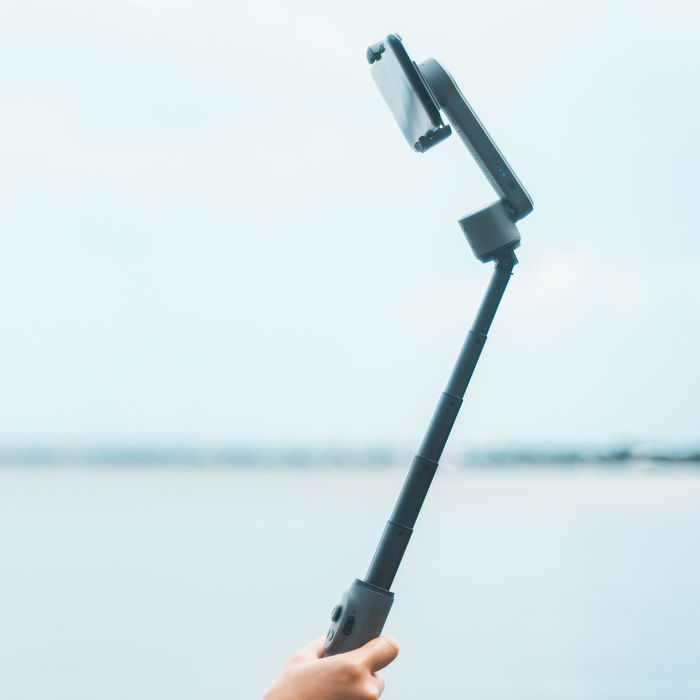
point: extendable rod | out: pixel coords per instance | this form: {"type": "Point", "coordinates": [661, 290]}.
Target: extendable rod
{"type": "Point", "coordinates": [399, 527]}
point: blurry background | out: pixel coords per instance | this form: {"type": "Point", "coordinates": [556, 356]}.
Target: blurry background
{"type": "Point", "coordinates": [230, 295]}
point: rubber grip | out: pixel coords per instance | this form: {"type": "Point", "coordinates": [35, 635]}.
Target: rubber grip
{"type": "Point", "coordinates": [359, 617]}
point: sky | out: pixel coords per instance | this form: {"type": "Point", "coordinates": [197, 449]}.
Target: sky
{"type": "Point", "coordinates": [214, 232]}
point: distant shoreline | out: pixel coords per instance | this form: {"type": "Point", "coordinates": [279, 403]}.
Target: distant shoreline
{"type": "Point", "coordinates": [236, 456]}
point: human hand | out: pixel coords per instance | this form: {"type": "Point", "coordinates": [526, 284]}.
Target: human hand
{"type": "Point", "coordinates": [348, 676]}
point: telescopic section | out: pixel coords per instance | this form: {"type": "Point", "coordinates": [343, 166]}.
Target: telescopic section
{"type": "Point", "coordinates": [399, 527]}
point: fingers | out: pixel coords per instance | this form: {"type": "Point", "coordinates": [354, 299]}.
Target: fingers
{"type": "Point", "coordinates": [315, 649]}
{"type": "Point", "coordinates": [377, 653]}
{"type": "Point", "coordinates": [379, 682]}
{"type": "Point", "coordinates": [311, 652]}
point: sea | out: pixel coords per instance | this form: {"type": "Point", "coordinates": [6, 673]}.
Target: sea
{"type": "Point", "coordinates": [574, 580]}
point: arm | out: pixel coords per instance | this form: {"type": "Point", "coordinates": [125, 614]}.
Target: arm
{"type": "Point", "coordinates": [349, 676]}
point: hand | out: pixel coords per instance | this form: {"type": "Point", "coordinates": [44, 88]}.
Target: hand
{"type": "Point", "coordinates": [348, 676]}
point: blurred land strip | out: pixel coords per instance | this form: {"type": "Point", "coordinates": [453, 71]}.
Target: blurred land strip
{"type": "Point", "coordinates": [260, 456]}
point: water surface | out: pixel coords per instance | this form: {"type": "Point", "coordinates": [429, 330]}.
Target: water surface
{"type": "Point", "coordinates": [184, 583]}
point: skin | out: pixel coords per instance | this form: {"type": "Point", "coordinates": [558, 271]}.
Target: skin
{"type": "Point", "coordinates": [349, 676]}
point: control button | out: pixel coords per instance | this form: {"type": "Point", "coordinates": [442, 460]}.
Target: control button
{"type": "Point", "coordinates": [330, 634]}
{"type": "Point", "coordinates": [349, 624]}
{"type": "Point", "coordinates": [335, 615]}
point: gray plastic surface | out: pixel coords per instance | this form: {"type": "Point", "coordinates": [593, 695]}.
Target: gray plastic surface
{"type": "Point", "coordinates": [490, 230]}
{"type": "Point", "coordinates": [364, 609]}
{"type": "Point", "coordinates": [475, 137]}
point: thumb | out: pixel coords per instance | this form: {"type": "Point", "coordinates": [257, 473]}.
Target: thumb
{"type": "Point", "coordinates": [377, 653]}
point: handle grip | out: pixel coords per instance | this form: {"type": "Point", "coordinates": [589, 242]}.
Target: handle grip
{"type": "Point", "coordinates": [359, 617]}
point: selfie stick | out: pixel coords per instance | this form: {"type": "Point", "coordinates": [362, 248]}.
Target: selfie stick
{"type": "Point", "coordinates": [493, 236]}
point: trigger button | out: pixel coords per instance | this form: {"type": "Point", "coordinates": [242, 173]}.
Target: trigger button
{"type": "Point", "coordinates": [335, 615]}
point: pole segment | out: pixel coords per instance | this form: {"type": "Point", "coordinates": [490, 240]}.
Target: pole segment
{"type": "Point", "coordinates": [399, 527]}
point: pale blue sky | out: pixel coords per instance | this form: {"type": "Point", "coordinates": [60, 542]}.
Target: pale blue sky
{"type": "Point", "coordinates": [213, 229]}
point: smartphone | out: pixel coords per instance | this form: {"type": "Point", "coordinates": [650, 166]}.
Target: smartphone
{"type": "Point", "coordinates": [416, 95]}
{"type": "Point", "coordinates": [405, 92]}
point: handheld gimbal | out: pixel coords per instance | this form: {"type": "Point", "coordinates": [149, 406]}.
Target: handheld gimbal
{"type": "Point", "coordinates": [416, 94]}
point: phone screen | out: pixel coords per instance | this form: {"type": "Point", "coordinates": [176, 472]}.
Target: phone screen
{"type": "Point", "coordinates": [408, 98]}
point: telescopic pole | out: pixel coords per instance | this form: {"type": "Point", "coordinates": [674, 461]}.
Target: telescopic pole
{"type": "Point", "coordinates": [365, 606]}
{"type": "Point", "coordinates": [399, 527]}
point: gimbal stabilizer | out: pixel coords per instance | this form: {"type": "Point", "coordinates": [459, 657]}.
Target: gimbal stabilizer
{"type": "Point", "coordinates": [415, 95]}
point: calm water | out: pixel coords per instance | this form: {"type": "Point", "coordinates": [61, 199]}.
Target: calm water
{"type": "Point", "coordinates": [179, 583]}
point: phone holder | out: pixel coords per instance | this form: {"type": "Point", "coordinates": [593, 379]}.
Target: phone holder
{"type": "Point", "coordinates": [492, 235]}
{"type": "Point", "coordinates": [491, 230]}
